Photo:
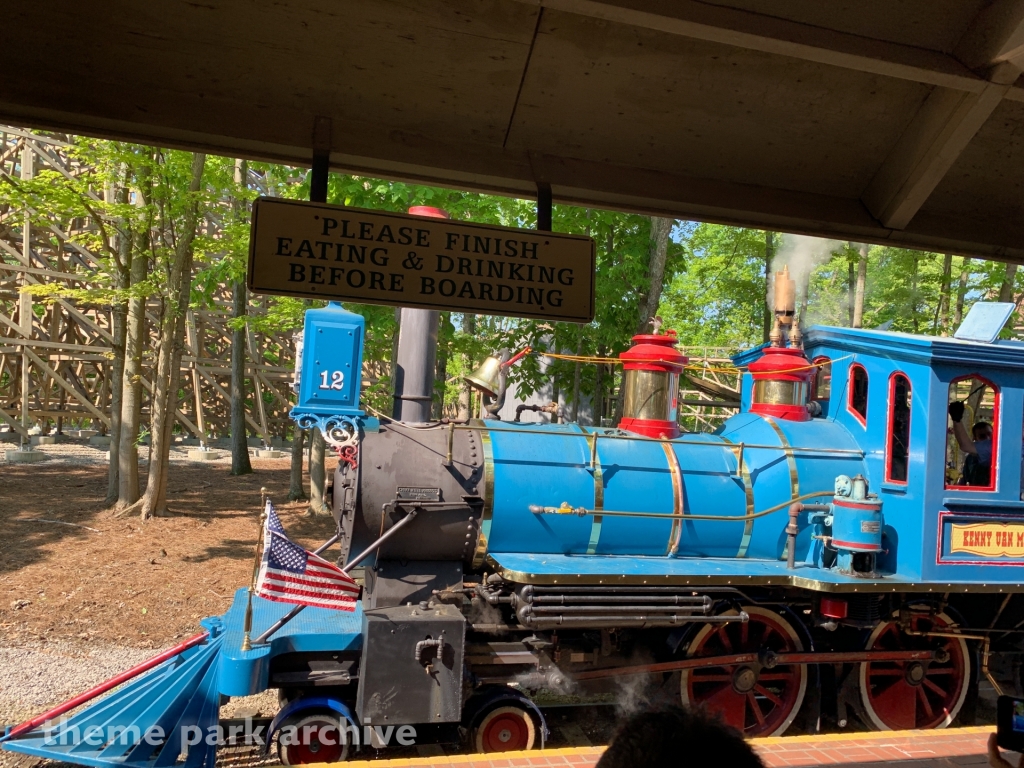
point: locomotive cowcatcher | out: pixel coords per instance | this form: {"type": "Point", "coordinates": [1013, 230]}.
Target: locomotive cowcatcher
{"type": "Point", "coordinates": [820, 560]}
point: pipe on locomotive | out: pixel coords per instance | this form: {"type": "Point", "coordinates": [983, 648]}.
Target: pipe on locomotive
{"type": "Point", "coordinates": [538, 509]}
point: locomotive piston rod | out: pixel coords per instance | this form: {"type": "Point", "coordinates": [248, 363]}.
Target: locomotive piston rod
{"type": "Point", "coordinates": [767, 659]}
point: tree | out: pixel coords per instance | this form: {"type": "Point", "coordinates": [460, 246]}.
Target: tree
{"type": "Point", "coordinates": [317, 473]}
{"type": "Point", "coordinates": [296, 491]}
{"type": "Point", "coordinates": [859, 289]}
{"type": "Point", "coordinates": [240, 464]}
{"type": "Point", "coordinates": [171, 339]}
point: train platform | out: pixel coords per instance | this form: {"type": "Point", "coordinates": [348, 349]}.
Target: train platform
{"type": "Point", "coordinates": [910, 749]}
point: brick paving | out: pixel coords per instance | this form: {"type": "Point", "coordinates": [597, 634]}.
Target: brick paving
{"type": "Point", "coordinates": [950, 748]}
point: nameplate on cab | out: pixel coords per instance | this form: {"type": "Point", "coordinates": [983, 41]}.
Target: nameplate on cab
{"type": "Point", "coordinates": [988, 539]}
{"type": "Point", "coordinates": [333, 252]}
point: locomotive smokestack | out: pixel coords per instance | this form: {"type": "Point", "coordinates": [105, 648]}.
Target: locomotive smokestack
{"type": "Point", "coordinates": [416, 356]}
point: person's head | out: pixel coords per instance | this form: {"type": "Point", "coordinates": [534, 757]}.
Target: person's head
{"type": "Point", "coordinates": [982, 430]}
{"type": "Point", "coordinates": [666, 737]}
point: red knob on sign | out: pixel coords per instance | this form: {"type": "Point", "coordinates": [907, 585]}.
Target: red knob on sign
{"type": "Point", "coordinates": [430, 211]}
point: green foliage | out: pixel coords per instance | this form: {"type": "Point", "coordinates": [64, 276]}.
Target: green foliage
{"type": "Point", "coordinates": [719, 299]}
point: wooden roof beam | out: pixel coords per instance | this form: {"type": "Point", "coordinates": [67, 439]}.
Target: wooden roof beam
{"type": "Point", "coordinates": [949, 119]}
{"type": "Point", "coordinates": [758, 32]}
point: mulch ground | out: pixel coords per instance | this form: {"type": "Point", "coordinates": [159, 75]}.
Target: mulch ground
{"type": "Point", "coordinates": [126, 581]}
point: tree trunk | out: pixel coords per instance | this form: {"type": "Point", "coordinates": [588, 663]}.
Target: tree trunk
{"type": "Point", "coordinates": [599, 389]}
{"type": "Point", "coordinates": [296, 492]}
{"type": "Point", "coordinates": [1006, 289]}
{"type": "Point", "coordinates": [444, 323]}
{"type": "Point", "coordinates": [965, 273]}
{"type": "Point", "coordinates": [119, 329]}
{"type": "Point", "coordinates": [769, 309]}
{"type": "Point", "coordinates": [858, 294]}
{"type": "Point", "coordinates": [851, 282]}
{"type": "Point", "coordinates": [317, 473]}
{"type": "Point", "coordinates": [240, 464]}
{"type": "Point", "coordinates": [941, 325]}
{"type": "Point", "coordinates": [577, 375]}
{"type": "Point", "coordinates": [131, 390]}
{"type": "Point", "coordinates": [915, 315]}
{"type": "Point", "coordinates": [172, 339]}
{"type": "Point", "coordinates": [466, 393]}
{"type": "Point", "coordinates": [657, 250]}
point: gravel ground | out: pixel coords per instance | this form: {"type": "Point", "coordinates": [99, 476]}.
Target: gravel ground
{"type": "Point", "coordinates": [80, 452]}
{"type": "Point", "coordinates": [36, 677]}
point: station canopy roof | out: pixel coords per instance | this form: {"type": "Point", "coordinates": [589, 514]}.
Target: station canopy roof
{"type": "Point", "coordinates": [879, 121]}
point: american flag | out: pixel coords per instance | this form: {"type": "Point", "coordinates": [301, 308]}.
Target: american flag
{"type": "Point", "coordinates": [290, 574]}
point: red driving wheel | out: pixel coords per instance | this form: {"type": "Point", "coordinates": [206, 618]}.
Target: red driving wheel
{"type": "Point", "coordinates": [505, 729]}
{"type": "Point", "coordinates": [901, 695]}
{"type": "Point", "coordinates": [756, 701]}
{"type": "Point", "coordinates": [312, 739]}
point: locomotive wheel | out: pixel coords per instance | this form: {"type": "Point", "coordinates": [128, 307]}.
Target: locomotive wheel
{"type": "Point", "coordinates": [756, 701]}
{"type": "Point", "coordinates": [505, 729]}
{"type": "Point", "coordinates": [898, 695]}
{"type": "Point", "coordinates": [318, 739]}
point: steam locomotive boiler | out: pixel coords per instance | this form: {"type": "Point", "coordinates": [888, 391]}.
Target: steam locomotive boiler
{"type": "Point", "coordinates": [822, 558]}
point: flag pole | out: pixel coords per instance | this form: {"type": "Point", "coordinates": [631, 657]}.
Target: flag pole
{"type": "Point", "coordinates": [246, 640]}
{"type": "Point", "coordinates": [354, 561]}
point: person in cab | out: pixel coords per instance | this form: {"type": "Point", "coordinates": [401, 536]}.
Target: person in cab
{"type": "Point", "coordinates": [977, 445]}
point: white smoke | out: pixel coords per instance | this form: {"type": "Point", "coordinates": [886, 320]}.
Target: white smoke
{"type": "Point", "coordinates": [801, 254]}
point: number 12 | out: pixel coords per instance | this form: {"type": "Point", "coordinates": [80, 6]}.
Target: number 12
{"type": "Point", "coordinates": [337, 380]}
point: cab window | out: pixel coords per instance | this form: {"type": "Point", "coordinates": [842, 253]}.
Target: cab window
{"type": "Point", "coordinates": [972, 434]}
{"type": "Point", "coordinates": [822, 384]}
{"type": "Point", "coordinates": [897, 445]}
{"type": "Point", "coordinates": [858, 402]}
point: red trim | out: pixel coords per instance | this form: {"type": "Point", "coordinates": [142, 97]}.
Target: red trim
{"type": "Point", "coordinates": [856, 505]}
{"type": "Point", "coordinates": [837, 544]}
{"type": "Point", "coordinates": [995, 516]}
{"type": "Point", "coordinates": [651, 428]}
{"type": "Point", "coordinates": [849, 394]}
{"type": "Point", "coordinates": [788, 412]}
{"type": "Point", "coordinates": [103, 687]}
{"type": "Point", "coordinates": [890, 424]}
{"type": "Point", "coordinates": [993, 473]}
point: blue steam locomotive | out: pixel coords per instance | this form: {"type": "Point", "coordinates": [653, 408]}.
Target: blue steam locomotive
{"type": "Point", "coordinates": [823, 557]}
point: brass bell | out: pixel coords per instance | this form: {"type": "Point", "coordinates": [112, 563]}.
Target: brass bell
{"type": "Point", "coordinates": [486, 377]}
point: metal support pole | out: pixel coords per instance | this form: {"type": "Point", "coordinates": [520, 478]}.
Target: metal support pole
{"type": "Point", "coordinates": [321, 160]}
{"type": "Point", "coordinates": [544, 204]}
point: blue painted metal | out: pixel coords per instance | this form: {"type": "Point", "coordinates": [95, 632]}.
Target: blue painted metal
{"type": "Point", "coordinates": [550, 465]}
{"type": "Point", "coordinates": [307, 704]}
{"type": "Point", "coordinates": [243, 673]}
{"type": "Point", "coordinates": [186, 691]}
{"type": "Point", "coordinates": [146, 723]}
{"type": "Point", "coordinates": [331, 365]}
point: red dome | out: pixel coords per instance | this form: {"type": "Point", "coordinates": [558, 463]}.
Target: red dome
{"type": "Point", "coordinates": [654, 352]}
{"type": "Point", "coordinates": [782, 379]}
{"type": "Point", "coordinates": [781, 364]}
{"type": "Point", "coordinates": [429, 211]}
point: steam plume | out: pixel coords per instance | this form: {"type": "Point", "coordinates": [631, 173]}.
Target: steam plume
{"type": "Point", "coordinates": [802, 254]}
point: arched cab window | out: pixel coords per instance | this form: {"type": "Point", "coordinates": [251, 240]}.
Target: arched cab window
{"type": "Point", "coordinates": [897, 440]}
{"type": "Point", "coordinates": [821, 386]}
{"type": "Point", "coordinates": [972, 449]}
{"type": "Point", "coordinates": [858, 393]}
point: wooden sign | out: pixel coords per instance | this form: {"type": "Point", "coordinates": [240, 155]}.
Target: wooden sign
{"type": "Point", "coordinates": [323, 251]}
{"type": "Point", "coordinates": [988, 539]}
